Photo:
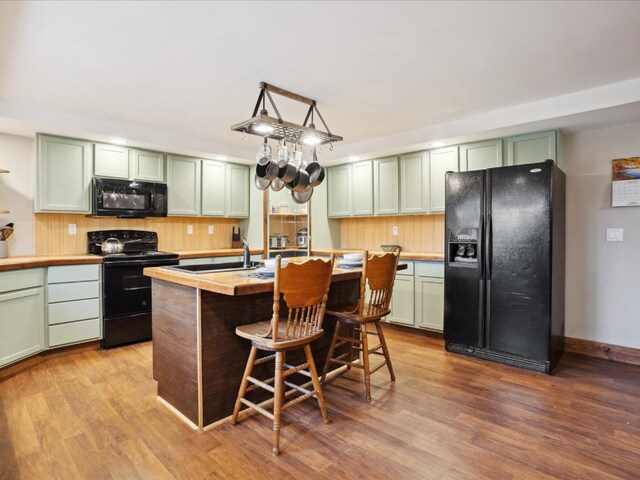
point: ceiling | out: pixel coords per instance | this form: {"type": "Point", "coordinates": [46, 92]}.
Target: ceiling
{"type": "Point", "coordinates": [388, 76]}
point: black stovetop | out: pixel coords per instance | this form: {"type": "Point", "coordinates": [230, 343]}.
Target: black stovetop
{"type": "Point", "coordinates": [144, 246]}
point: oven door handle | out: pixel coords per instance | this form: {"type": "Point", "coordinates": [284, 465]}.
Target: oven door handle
{"type": "Point", "coordinates": [140, 263]}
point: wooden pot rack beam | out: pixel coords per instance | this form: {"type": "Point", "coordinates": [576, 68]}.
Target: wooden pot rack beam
{"type": "Point", "coordinates": [283, 130]}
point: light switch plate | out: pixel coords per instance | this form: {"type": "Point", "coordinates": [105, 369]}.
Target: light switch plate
{"type": "Point", "coordinates": [73, 229]}
{"type": "Point", "coordinates": [615, 235]}
{"type": "Point", "coordinates": [210, 229]}
{"type": "Point", "coordinates": [189, 229]}
{"type": "Point", "coordinates": [394, 230]}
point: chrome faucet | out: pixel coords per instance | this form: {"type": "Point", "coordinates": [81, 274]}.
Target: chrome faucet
{"type": "Point", "coordinates": [246, 253]}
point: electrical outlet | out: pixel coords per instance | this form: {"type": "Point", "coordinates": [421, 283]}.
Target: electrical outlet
{"type": "Point", "coordinates": [73, 229]}
{"type": "Point", "coordinates": [189, 229]}
{"type": "Point", "coordinates": [615, 235]}
{"type": "Point", "coordinates": [394, 230]}
{"type": "Point", "coordinates": [210, 229]}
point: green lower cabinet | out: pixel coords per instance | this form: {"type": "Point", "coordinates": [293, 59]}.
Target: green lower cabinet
{"type": "Point", "coordinates": [21, 324]}
{"type": "Point", "coordinates": [402, 300]}
{"type": "Point", "coordinates": [429, 302]}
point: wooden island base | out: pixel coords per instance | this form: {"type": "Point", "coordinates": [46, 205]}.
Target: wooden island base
{"type": "Point", "coordinates": [198, 360]}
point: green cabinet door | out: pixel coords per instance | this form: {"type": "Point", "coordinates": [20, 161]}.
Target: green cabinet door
{"type": "Point", "coordinates": [147, 166]}
{"type": "Point", "coordinates": [110, 161]}
{"type": "Point", "coordinates": [214, 192]}
{"type": "Point", "coordinates": [531, 148]}
{"type": "Point", "coordinates": [429, 302]}
{"type": "Point", "coordinates": [385, 186]}
{"type": "Point", "coordinates": [414, 183]}
{"type": "Point", "coordinates": [402, 308]}
{"type": "Point", "coordinates": [362, 188]}
{"type": "Point", "coordinates": [21, 324]}
{"type": "Point", "coordinates": [441, 161]}
{"type": "Point", "coordinates": [183, 185]}
{"type": "Point", "coordinates": [481, 155]}
{"type": "Point", "coordinates": [63, 175]}
{"type": "Point", "coordinates": [339, 191]}
{"type": "Point", "coordinates": [237, 191]}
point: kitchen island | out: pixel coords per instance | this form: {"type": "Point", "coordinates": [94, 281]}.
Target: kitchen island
{"type": "Point", "coordinates": [198, 360]}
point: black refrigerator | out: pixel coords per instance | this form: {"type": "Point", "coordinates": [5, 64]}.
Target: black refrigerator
{"type": "Point", "coordinates": [504, 264]}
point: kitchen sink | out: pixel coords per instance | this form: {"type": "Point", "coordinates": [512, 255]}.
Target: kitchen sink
{"type": "Point", "coordinates": [213, 267]}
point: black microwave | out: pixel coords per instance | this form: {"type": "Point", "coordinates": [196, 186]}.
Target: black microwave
{"type": "Point", "coordinates": [128, 199]}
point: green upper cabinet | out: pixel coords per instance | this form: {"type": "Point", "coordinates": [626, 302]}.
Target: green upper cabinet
{"type": "Point", "coordinates": [339, 191]}
{"type": "Point", "coordinates": [533, 148]}
{"type": "Point", "coordinates": [63, 175]}
{"type": "Point", "coordinates": [214, 192]}
{"type": "Point", "coordinates": [207, 187]}
{"type": "Point", "coordinates": [362, 188]}
{"type": "Point", "coordinates": [441, 161]}
{"type": "Point", "coordinates": [237, 190]}
{"type": "Point", "coordinates": [184, 183]}
{"type": "Point", "coordinates": [385, 186]}
{"type": "Point", "coordinates": [147, 166]}
{"type": "Point", "coordinates": [110, 161]}
{"type": "Point", "coordinates": [133, 164]}
{"type": "Point", "coordinates": [481, 155]}
{"type": "Point", "coordinates": [414, 183]}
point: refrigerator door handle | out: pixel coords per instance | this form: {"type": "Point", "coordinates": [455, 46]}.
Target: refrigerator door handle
{"type": "Point", "coordinates": [480, 246]}
{"type": "Point", "coordinates": [488, 248]}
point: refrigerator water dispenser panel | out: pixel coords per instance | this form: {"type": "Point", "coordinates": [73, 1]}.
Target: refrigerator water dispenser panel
{"type": "Point", "coordinates": [463, 248]}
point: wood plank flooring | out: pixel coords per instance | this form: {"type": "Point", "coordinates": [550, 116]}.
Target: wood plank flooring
{"type": "Point", "coordinates": [93, 415]}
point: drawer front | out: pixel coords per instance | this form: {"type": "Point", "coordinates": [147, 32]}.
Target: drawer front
{"type": "Point", "coordinates": [20, 279]}
{"type": "Point", "coordinates": [65, 292]}
{"type": "Point", "coordinates": [195, 261]}
{"type": "Point", "coordinates": [73, 311]}
{"type": "Point", "coordinates": [73, 273]}
{"type": "Point", "coordinates": [430, 269]}
{"type": "Point", "coordinates": [408, 272]}
{"type": "Point", "coordinates": [74, 332]}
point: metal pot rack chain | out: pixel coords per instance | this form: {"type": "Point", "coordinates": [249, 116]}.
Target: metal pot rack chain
{"type": "Point", "coordinates": [283, 130]}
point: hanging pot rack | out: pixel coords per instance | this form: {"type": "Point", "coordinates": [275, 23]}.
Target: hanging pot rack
{"type": "Point", "coordinates": [283, 130]}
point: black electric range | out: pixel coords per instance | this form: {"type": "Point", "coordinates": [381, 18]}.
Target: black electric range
{"type": "Point", "coordinates": [126, 292]}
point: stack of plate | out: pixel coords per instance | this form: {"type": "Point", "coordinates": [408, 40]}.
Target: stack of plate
{"type": "Point", "coordinates": [269, 268]}
{"type": "Point", "coordinates": [352, 260]}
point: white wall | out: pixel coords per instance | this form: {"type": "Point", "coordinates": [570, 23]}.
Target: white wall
{"type": "Point", "coordinates": [602, 278]}
{"type": "Point", "coordinates": [17, 154]}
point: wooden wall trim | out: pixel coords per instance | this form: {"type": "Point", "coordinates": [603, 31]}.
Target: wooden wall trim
{"type": "Point", "coordinates": [602, 350]}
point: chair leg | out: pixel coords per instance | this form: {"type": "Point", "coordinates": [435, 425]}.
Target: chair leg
{"type": "Point", "coordinates": [277, 402]}
{"type": "Point", "coordinates": [385, 351]}
{"type": "Point", "coordinates": [332, 347]}
{"type": "Point", "coordinates": [352, 334]}
{"type": "Point", "coordinates": [244, 384]}
{"type": "Point", "coordinates": [364, 342]}
{"type": "Point", "coordinates": [316, 383]}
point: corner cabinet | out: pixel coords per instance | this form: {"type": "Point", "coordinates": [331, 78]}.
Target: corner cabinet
{"type": "Point", "coordinates": [534, 148]}
{"type": "Point", "coordinates": [63, 175]}
{"type": "Point", "coordinates": [207, 188]}
{"type": "Point", "coordinates": [21, 314]}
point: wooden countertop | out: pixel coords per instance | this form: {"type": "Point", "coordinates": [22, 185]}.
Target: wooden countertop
{"type": "Point", "coordinates": [232, 283]}
{"type": "Point", "coordinates": [217, 252]}
{"type": "Point", "coordinates": [34, 261]}
{"type": "Point", "coordinates": [419, 256]}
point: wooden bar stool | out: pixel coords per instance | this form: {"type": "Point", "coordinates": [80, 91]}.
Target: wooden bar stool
{"type": "Point", "coordinates": [378, 275]}
{"type": "Point", "coordinates": [305, 288]}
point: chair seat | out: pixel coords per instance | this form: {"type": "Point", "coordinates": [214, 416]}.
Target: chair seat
{"type": "Point", "coordinates": [252, 331]}
{"type": "Point", "coordinates": [344, 315]}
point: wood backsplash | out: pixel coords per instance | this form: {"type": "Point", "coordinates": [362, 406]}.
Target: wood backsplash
{"type": "Point", "coordinates": [416, 233]}
{"type": "Point", "coordinates": [52, 232]}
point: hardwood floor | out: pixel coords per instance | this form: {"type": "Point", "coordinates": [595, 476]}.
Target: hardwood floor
{"type": "Point", "coordinates": [93, 415]}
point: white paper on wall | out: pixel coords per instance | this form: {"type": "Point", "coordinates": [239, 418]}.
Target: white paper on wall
{"type": "Point", "coordinates": [625, 185]}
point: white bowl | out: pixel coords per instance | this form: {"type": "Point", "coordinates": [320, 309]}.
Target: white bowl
{"type": "Point", "coordinates": [270, 263]}
{"type": "Point", "coordinates": [353, 257]}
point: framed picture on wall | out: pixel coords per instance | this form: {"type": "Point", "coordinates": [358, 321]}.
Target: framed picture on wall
{"type": "Point", "coordinates": [625, 184]}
